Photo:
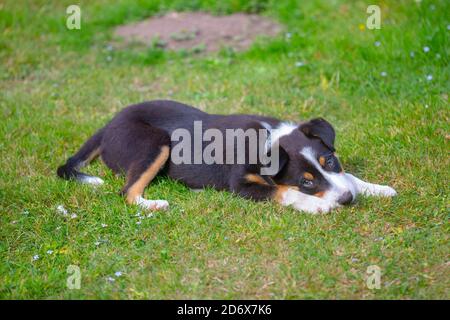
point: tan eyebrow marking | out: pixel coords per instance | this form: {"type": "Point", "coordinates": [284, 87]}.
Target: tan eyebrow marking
{"type": "Point", "coordinates": [308, 176]}
{"type": "Point", "coordinates": [322, 161]}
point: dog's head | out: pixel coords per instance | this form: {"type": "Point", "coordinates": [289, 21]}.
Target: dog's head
{"type": "Point", "coordinates": [308, 161]}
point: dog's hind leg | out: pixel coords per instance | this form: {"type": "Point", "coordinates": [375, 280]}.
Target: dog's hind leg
{"type": "Point", "coordinates": [88, 152]}
{"type": "Point", "coordinates": [140, 151]}
{"type": "Point", "coordinates": [140, 174]}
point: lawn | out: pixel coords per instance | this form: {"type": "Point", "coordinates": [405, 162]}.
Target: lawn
{"type": "Point", "coordinates": [385, 91]}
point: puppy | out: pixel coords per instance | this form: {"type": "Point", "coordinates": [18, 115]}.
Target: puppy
{"type": "Point", "coordinates": [296, 164]}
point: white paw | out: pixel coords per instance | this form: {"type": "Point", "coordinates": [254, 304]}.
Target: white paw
{"type": "Point", "coordinates": [96, 181]}
{"type": "Point", "coordinates": [384, 191]}
{"type": "Point", "coordinates": [152, 204]}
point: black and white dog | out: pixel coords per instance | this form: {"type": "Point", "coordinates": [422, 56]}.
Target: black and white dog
{"type": "Point", "coordinates": [139, 142]}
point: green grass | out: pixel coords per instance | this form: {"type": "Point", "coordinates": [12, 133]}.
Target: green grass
{"type": "Point", "coordinates": [58, 86]}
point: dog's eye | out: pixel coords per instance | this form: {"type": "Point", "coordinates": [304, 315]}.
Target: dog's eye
{"type": "Point", "coordinates": [330, 162]}
{"type": "Point", "coordinates": [306, 183]}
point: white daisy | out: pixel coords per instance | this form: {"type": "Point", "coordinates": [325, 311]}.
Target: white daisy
{"type": "Point", "coordinates": [62, 210]}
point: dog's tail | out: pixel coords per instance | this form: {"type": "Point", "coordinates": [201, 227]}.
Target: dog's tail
{"type": "Point", "coordinates": [88, 152]}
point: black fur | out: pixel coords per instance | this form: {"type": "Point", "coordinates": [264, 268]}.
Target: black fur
{"type": "Point", "coordinates": [70, 169]}
{"type": "Point", "coordinates": [132, 139]}
{"type": "Point", "coordinates": [321, 129]}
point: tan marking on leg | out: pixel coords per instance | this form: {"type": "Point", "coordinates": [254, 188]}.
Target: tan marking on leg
{"type": "Point", "coordinates": [308, 176]}
{"type": "Point", "coordinates": [254, 178]}
{"type": "Point", "coordinates": [94, 154]}
{"type": "Point", "coordinates": [137, 189]}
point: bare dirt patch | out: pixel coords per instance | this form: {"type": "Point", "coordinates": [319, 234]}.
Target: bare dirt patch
{"type": "Point", "coordinates": [198, 30]}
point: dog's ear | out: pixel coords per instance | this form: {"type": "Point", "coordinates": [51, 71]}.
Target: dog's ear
{"type": "Point", "coordinates": [321, 129]}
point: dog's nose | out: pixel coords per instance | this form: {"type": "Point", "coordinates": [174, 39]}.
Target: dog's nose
{"type": "Point", "coordinates": [345, 198]}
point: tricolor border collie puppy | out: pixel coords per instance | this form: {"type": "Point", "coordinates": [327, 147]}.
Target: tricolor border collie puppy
{"type": "Point", "coordinates": [138, 142]}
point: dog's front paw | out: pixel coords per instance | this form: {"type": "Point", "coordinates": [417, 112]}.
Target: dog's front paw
{"type": "Point", "coordinates": [384, 191]}
{"type": "Point", "coordinates": [314, 205]}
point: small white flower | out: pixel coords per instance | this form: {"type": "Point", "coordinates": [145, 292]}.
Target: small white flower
{"type": "Point", "coordinates": [288, 35]}
{"type": "Point", "coordinates": [137, 214]}
{"type": "Point", "coordinates": [355, 259]}
{"type": "Point", "coordinates": [429, 77]}
{"type": "Point", "coordinates": [49, 251]}
{"type": "Point", "coordinates": [411, 54]}
{"type": "Point", "coordinates": [426, 49]}
{"type": "Point", "coordinates": [110, 279]}
{"type": "Point", "coordinates": [62, 210]}
{"type": "Point", "coordinates": [426, 106]}
{"type": "Point", "coordinates": [118, 273]}
{"type": "Point", "coordinates": [104, 225]}
{"type": "Point", "coordinates": [448, 27]}
{"type": "Point", "coordinates": [377, 43]}
{"type": "Point", "coordinates": [150, 215]}
{"type": "Point", "coordinates": [26, 212]}
{"type": "Point", "coordinates": [97, 243]}
{"type": "Point", "coordinates": [299, 64]}
{"type": "Point", "coordinates": [73, 216]}
{"type": "Point", "coordinates": [14, 222]}
{"type": "Point", "coordinates": [58, 228]}
{"type": "Point", "coordinates": [139, 222]}
{"type": "Point", "coordinates": [35, 257]}
{"type": "Point", "coordinates": [383, 73]}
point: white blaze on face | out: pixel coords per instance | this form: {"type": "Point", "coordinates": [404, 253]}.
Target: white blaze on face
{"type": "Point", "coordinates": [283, 129]}
{"type": "Point", "coordinates": [339, 182]}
